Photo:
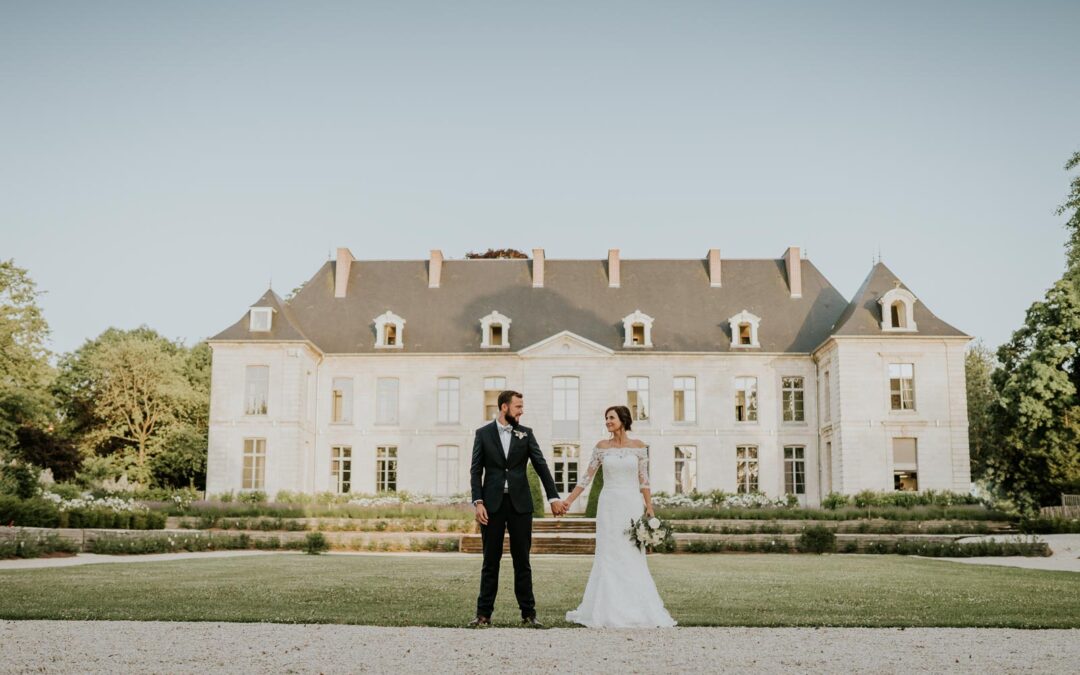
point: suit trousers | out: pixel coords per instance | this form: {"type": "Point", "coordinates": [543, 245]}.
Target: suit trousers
{"type": "Point", "coordinates": [520, 528]}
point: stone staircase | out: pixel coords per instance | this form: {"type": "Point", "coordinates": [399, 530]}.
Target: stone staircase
{"type": "Point", "coordinates": [550, 535]}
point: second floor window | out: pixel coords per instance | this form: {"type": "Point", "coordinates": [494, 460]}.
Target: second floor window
{"type": "Point", "coordinates": [745, 399]}
{"type": "Point", "coordinates": [493, 386]}
{"type": "Point", "coordinates": [564, 407]}
{"type": "Point", "coordinates": [637, 397]}
{"type": "Point", "coordinates": [341, 400]}
{"type": "Point", "coordinates": [386, 400]}
{"type": "Point", "coordinates": [256, 390]}
{"type": "Point", "coordinates": [902, 386]}
{"type": "Point", "coordinates": [793, 399]}
{"type": "Point", "coordinates": [685, 399]}
{"type": "Point", "coordinates": [449, 397]}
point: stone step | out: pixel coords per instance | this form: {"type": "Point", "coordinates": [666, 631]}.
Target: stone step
{"type": "Point", "coordinates": [585, 545]}
{"type": "Point", "coordinates": [541, 525]}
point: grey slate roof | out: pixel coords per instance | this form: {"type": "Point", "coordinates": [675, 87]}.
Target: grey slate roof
{"type": "Point", "coordinates": [688, 314]}
{"type": "Point", "coordinates": [863, 314]}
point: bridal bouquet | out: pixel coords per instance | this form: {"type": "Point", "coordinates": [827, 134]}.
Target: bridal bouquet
{"type": "Point", "coordinates": [650, 532]}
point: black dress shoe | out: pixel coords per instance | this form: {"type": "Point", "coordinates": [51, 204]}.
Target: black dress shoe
{"type": "Point", "coordinates": [480, 622]}
{"type": "Point", "coordinates": [531, 622]}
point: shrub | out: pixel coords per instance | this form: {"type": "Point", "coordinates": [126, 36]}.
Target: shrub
{"type": "Point", "coordinates": [252, 497]}
{"type": "Point", "coordinates": [315, 543]}
{"type": "Point", "coordinates": [1050, 525]}
{"type": "Point", "coordinates": [29, 546]}
{"type": "Point", "coordinates": [834, 500]}
{"type": "Point", "coordinates": [817, 539]}
{"type": "Point", "coordinates": [594, 493]}
{"type": "Point", "coordinates": [536, 491]}
{"type": "Point", "coordinates": [34, 512]}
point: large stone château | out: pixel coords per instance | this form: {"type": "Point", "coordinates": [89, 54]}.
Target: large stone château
{"type": "Point", "coordinates": [743, 375]}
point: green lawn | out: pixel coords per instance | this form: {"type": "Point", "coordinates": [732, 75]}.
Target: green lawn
{"type": "Point", "coordinates": [699, 590]}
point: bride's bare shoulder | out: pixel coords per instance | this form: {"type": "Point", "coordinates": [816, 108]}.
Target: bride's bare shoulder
{"type": "Point", "coordinates": [603, 445]}
{"type": "Point", "coordinates": [636, 443]}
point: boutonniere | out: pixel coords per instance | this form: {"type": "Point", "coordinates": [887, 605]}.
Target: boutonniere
{"type": "Point", "coordinates": [520, 434]}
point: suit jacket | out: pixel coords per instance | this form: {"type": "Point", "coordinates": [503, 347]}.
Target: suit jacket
{"type": "Point", "coordinates": [491, 469]}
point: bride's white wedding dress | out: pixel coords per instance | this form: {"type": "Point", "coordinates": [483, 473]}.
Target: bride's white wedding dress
{"type": "Point", "coordinates": [620, 592]}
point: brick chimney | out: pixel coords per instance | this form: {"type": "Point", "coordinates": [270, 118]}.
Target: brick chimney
{"type": "Point", "coordinates": [341, 272]}
{"type": "Point", "coordinates": [538, 268]}
{"type": "Point", "coordinates": [613, 267]}
{"type": "Point", "coordinates": [435, 268]}
{"type": "Point", "coordinates": [714, 267]}
{"type": "Point", "coordinates": [794, 271]}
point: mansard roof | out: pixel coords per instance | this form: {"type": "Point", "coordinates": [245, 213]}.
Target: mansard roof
{"type": "Point", "coordinates": [690, 316]}
{"type": "Point", "coordinates": [862, 316]}
{"type": "Point", "coordinates": [283, 325]}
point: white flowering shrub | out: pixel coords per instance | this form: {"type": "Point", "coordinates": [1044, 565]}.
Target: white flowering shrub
{"type": "Point", "coordinates": [407, 498]}
{"type": "Point", "coordinates": [88, 501]}
{"type": "Point", "coordinates": [712, 500]}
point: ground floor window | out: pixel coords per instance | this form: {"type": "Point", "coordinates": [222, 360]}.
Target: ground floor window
{"type": "Point", "coordinates": [341, 468]}
{"type": "Point", "coordinates": [386, 468]}
{"type": "Point", "coordinates": [254, 477]}
{"type": "Point", "coordinates": [566, 467]}
{"type": "Point", "coordinates": [685, 469]}
{"type": "Point", "coordinates": [794, 470]}
{"type": "Point", "coordinates": [746, 468]}
{"type": "Point", "coordinates": [905, 455]}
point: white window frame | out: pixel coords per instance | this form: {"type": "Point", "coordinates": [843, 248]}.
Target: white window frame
{"type": "Point", "coordinates": [747, 318]}
{"type": "Point", "coordinates": [253, 473]}
{"type": "Point", "coordinates": [907, 300]}
{"type": "Point", "coordinates": [487, 323]}
{"type": "Point", "coordinates": [565, 406]}
{"type": "Point", "coordinates": [494, 383]}
{"type": "Point", "coordinates": [261, 319]}
{"type": "Point", "coordinates": [566, 466]}
{"type": "Point", "coordinates": [638, 318]}
{"type": "Point", "coordinates": [797, 397]}
{"type": "Point", "coordinates": [346, 395]}
{"type": "Point", "coordinates": [387, 412]}
{"type": "Point", "coordinates": [386, 468]}
{"type": "Point", "coordinates": [251, 397]}
{"type": "Point", "coordinates": [641, 405]}
{"type": "Point", "coordinates": [385, 319]}
{"type": "Point", "coordinates": [341, 460]}
{"type": "Point", "coordinates": [687, 384]}
{"type": "Point", "coordinates": [749, 460]}
{"type": "Point", "coordinates": [449, 400]}
{"type": "Point", "coordinates": [750, 398]}
{"type": "Point", "coordinates": [686, 457]}
{"type": "Point", "coordinates": [907, 396]}
{"type": "Point", "coordinates": [447, 470]}
{"type": "Point", "coordinates": [798, 456]}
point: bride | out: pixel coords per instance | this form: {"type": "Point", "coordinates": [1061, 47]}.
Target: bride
{"type": "Point", "coordinates": [620, 592]}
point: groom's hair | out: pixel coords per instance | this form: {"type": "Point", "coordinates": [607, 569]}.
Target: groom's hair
{"type": "Point", "coordinates": [507, 396]}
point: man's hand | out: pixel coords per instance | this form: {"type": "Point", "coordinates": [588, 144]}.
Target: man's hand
{"type": "Point", "coordinates": [558, 507]}
{"type": "Point", "coordinates": [481, 513]}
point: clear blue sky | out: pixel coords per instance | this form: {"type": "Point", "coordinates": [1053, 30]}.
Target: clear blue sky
{"type": "Point", "coordinates": [160, 162]}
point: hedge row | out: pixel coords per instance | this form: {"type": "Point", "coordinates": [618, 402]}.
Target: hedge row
{"type": "Point", "coordinates": [37, 512]}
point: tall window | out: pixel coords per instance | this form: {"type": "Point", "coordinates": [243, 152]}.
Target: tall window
{"type": "Point", "coordinates": [827, 398]}
{"type": "Point", "coordinates": [746, 468]}
{"type": "Point", "coordinates": [566, 467]}
{"type": "Point", "coordinates": [254, 477]}
{"type": "Point", "coordinates": [637, 397]}
{"type": "Point", "coordinates": [341, 400]}
{"type": "Point", "coordinates": [449, 398]}
{"type": "Point", "coordinates": [341, 468]}
{"type": "Point", "coordinates": [685, 469]}
{"type": "Point", "coordinates": [564, 407]}
{"type": "Point", "coordinates": [792, 401]}
{"type": "Point", "coordinates": [745, 399]}
{"type": "Point", "coordinates": [493, 386]}
{"type": "Point", "coordinates": [905, 453]}
{"type": "Point", "coordinates": [386, 468]}
{"type": "Point", "coordinates": [256, 390]}
{"type": "Point", "coordinates": [446, 469]}
{"type": "Point", "coordinates": [685, 399]}
{"type": "Point", "coordinates": [794, 470]}
{"type": "Point", "coordinates": [386, 400]}
{"type": "Point", "coordinates": [902, 386]}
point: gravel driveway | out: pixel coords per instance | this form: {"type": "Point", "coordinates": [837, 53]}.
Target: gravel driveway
{"type": "Point", "coordinates": [165, 647]}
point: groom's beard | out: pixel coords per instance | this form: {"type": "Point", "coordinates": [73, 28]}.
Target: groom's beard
{"type": "Point", "coordinates": [513, 421]}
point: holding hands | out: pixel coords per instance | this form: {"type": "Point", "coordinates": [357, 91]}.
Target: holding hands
{"type": "Point", "coordinates": [559, 507]}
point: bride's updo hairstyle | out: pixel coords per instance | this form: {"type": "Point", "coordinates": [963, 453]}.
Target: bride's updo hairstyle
{"type": "Point", "coordinates": [624, 416]}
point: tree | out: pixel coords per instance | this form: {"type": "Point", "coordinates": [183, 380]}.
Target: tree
{"type": "Point", "coordinates": [493, 253]}
{"type": "Point", "coordinates": [25, 373]}
{"type": "Point", "coordinates": [126, 392]}
{"type": "Point", "coordinates": [1072, 202]}
{"type": "Point", "coordinates": [981, 398]}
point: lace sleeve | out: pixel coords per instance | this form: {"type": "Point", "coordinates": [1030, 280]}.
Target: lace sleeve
{"type": "Point", "coordinates": [594, 464]}
{"type": "Point", "coordinates": [643, 466]}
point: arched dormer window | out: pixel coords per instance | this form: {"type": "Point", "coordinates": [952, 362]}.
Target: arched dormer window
{"type": "Point", "coordinates": [898, 310]}
{"type": "Point", "coordinates": [389, 331]}
{"type": "Point", "coordinates": [637, 330]}
{"type": "Point", "coordinates": [262, 319]}
{"type": "Point", "coordinates": [744, 330]}
{"type": "Point", "coordinates": [495, 329]}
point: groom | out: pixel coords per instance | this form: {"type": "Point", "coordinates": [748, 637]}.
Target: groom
{"type": "Point", "coordinates": [502, 499]}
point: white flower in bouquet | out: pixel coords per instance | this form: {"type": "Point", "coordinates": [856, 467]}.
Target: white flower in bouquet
{"type": "Point", "coordinates": [654, 523]}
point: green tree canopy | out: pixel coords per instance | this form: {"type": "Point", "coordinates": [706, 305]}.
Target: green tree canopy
{"type": "Point", "coordinates": [25, 373]}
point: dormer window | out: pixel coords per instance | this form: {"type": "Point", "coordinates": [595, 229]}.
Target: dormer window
{"type": "Point", "coordinates": [897, 310]}
{"type": "Point", "coordinates": [262, 318]}
{"type": "Point", "coordinates": [389, 329]}
{"type": "Point", "coordinates": [744, 330]}
{"type": "Point", "coordinates": [637, 330]}
{"type": "Point", "coordinates": [495, 331]}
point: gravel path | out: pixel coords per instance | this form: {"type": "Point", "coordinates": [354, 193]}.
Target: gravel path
{"type": "Point", "coordinates": [166, 647]}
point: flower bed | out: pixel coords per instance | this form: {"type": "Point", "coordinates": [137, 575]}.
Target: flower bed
{"type": "Point", "coordinates": [26, 545]}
